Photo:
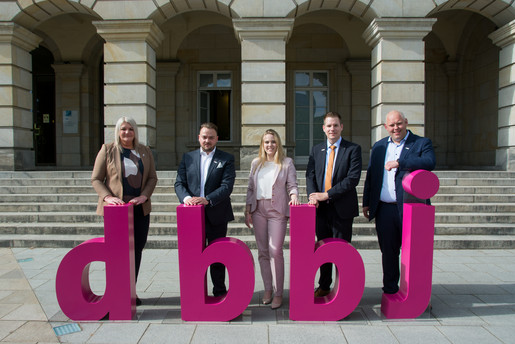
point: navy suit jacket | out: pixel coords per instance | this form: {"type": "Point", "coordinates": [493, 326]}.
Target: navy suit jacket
{"type": "Point", "coordinates": [218, 186]}
{"type": "Point", "coordinates": [346, 175]}
{"type": "Point", "coordinates": [417, 154]}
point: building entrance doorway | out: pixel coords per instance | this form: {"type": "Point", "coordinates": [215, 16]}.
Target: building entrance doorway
{"type": "Point", "coordinates": [43, 101]}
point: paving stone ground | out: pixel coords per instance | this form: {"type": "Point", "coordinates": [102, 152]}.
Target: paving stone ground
{"type": "Point", "coordinates": [473, 301]}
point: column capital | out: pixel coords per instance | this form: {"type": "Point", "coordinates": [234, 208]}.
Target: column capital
{"type": "Point", "coordinates": [263, 28]}
{"type": "Point", "coordinates": [19, 36]}
{"type": "Point", "coordinates": [168, 69]}
{"type": "Point", "coordinates": [130, 30]}
{"type": "Point", "coordinates": [504, 36]}
{"type": "Point", "coordinates": [69, 69]}
{"type": "Point", "coordinates": [358, 67]}
{"type": "Point", "coordinates": [397, 28]}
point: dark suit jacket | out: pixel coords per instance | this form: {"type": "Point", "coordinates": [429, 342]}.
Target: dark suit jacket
{"type": "Point", "coordinates": [218, 186]}
{"type": "Point", "coordinates": [346, 175]}
{"type": "Point", "coordinates": [417, 154]}
{"type": "Point", "coordinates": [107, 175]}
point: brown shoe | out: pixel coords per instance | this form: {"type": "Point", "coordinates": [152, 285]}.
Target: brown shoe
{"type": "Point", "coordinates": [277, 302]}
{"type": "Point", "coordinates": [267, 297]}
{"type": "Point", "coordinates": [319, 292]}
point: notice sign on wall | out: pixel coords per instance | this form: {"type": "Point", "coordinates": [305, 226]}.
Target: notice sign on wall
{"type": "Point", "coordinates": [70, 122]}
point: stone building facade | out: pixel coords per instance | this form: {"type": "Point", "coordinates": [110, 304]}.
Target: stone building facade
{"type": "Point", "coordinates": [70, 68]}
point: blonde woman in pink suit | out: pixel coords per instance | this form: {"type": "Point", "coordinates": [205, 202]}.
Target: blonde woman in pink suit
{"type": "Point", "coordinates": [272, 188]}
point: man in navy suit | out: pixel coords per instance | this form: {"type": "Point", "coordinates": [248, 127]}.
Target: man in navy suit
{"type": "Point", "coordinates": [391, 158]}
{"type": "Point", "coordinates": [332, 174]}
{"type": "Point", "coordinates": [206, 177]}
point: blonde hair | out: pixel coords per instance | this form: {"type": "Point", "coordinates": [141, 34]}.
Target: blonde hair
{"type": "Point", "coordinates": [132, 122]}
{"type": "Point", "coordinates": [279, 155]}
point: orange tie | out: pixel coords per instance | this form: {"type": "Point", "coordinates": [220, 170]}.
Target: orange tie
{"type": "Point", "coordinates": [329, 171]}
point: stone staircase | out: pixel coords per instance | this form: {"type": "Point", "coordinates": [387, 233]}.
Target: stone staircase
{"type": "Point", "coordinates": [474, 209]}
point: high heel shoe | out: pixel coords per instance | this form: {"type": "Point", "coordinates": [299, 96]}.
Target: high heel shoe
{"type": "Point", "coordinates": [277, 302]}
{"type": "Point", "coordinates": [267, 297]}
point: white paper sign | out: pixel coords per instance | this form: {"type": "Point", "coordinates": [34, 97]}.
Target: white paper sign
{"type": "Point", "coordinates": [70, 122]}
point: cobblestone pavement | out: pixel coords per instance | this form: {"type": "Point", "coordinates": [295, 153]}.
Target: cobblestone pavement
{"type": "Point", "coordinates": [473, 301]}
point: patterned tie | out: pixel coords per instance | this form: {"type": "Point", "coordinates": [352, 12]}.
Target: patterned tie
{"type": "Point", "coordinates": [329, 171]}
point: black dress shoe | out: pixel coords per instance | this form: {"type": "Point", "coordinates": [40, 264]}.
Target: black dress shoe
{"type": "Point", "coordinates": [138, 301]}
{"type": "Point", "coordinates": [319, 292]}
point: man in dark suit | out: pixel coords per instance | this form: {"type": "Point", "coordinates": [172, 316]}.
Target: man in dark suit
{"type": "Point", "coordinates": [332, 174]}
{"type": "Point", "coordinates": [206, 177]}
{"type": "Point", "coordinates": [391, 158]}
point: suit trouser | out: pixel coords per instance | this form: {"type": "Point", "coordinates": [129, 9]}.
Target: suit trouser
{"type": "Point", "coordinates": [141, 225]}
{"type": "Point", "coordinates": [330, 225]}
{"type": "Point", "coordinates": [270, 229]}
{"type": "Point", "coordinates": [389, 235]}
{"type": "Point", "coordinates": [217, 270]}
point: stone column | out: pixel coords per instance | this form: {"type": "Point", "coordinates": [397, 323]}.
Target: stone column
{"type": "Point", "coordinates": [263, 80]}
{"type": "Point", "coordinates": [505, 39]}
{"type": "Point", "coordinates": [16, 139]}
{"type": "Point", "coordinates": [68, 87]}
{"type": "Point", "coordinates": [360, 105]}
{"type": "Point", "coordinates": [398, 74]}
{"type": "Point", "coordinates": [166, 114]}
{"type": "Point", "coordinates": [130, 74]}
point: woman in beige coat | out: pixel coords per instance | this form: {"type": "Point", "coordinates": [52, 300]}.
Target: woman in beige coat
{"type": "Point", "coordinates": [272, 188]}
{"type": "Point", "coordinates": [124, 172]}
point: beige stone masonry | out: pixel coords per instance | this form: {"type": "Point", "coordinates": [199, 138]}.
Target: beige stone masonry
{"type": "Point", "coordinates": [398, 80]}
{"type": "Point", "coordinates": [505, 39]}
{"type": "Point", "coordinates": [166, 115]}
{"type": "Point", "coordinates": [263, 88]}
{"type": "Point", "coordinates": [16, 139]}
{"type": "Point", "coordinates": [130, 47]}
{"type": "Point", "coordinates": [360, 104]}
{"type": "Point", "coordinates": [67, 84]}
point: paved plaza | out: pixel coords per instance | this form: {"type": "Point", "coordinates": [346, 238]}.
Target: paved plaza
{"type": "Point", "coordinates": [473, 301]}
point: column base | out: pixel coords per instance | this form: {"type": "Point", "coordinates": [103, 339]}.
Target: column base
{"type": "Point", "coordinates": [247, 154]}
{"type": "Point", "coordinates": [505, 158]}
{"type": "Point", "coordinates": [13, 159]}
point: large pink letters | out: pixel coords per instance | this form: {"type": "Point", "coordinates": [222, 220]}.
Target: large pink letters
{"type": "Point", "coordinates": [417, 250]}
{"type": "Point", "coordinates": [116, 249]}
{"type": "Point", "coordinates": [305, 259]}
{"type": "Point", "coordinates": [195, 258]}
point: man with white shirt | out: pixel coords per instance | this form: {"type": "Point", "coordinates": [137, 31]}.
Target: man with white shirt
{"type": "Point", "coordinates": [391, 158]}
{"type": "Point", "coordinates": [332, 174]}
{"type": "Point", "coordinates": [206, 177]}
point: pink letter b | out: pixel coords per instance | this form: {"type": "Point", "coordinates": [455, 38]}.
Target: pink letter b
{"type": "Point", "coordinates": [305, 260]}
{"type": "Point", "coordinates": [195, 258]}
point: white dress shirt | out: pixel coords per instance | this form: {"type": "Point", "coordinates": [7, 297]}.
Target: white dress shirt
{"type": "Point", "coordinates": [393, 152]}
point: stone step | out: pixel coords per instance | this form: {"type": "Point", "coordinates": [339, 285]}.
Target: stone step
{"type": "Point", "coordinates": [170, 241]}
{"type": "Point", "coordinates": [503, 190]}
{"type": "Point", "coordinates": [92, 198]}
{"type": "Point", "coordinates": [475, 209]}
{"type": "Point", "coordinates": [239, 182]}
{"type": "Point", "coordinates": [86, 174]}
{"type": "Point", "coordinates": [235, 229]}
{"type": "Point", "coordinates": [56, 207]}
{"type": "Point", "coordinates": [170, 217]}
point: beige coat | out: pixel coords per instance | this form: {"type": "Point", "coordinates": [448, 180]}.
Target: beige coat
{"type": "Point", "coordinates": [284, 184]}
{"type": "Point", "coordinates": [107, 177]}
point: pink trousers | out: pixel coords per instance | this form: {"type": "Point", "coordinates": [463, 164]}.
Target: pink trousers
{"type": "Point", "coordinates": [270, 229]}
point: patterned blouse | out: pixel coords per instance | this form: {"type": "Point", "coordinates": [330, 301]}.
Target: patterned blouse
{"type": "Point", "coordinates": [132, 174]}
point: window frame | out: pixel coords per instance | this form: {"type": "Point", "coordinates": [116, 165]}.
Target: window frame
{"type": "Point", "coordinates": [202, 89]}
{"type": "Point", "coordinates": [303, 159]}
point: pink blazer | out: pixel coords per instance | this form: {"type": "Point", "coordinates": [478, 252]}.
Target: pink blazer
{"type": "Point", "coordinates": [284, 184]}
